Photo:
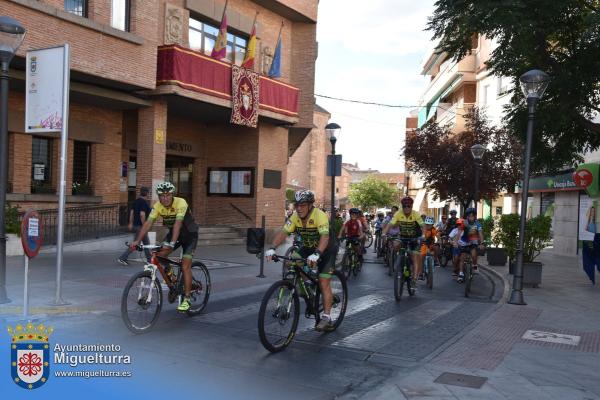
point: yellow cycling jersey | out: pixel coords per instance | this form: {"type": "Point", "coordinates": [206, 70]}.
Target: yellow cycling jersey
{"type": "Point", "coordinates": [178, 211]}
{"type": "Point", "coordinates": [317, 225]}
{"type": "Point", "coordinates": [410, 226]}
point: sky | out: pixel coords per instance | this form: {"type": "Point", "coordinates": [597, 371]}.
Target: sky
{"type": "Point", "coordinates": [372, 51]}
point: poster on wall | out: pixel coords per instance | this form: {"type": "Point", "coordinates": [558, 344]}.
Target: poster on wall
{"type": "Point", "coordinates": [45, 90]}
{"type": "Point", "coordinates": [587, 218]}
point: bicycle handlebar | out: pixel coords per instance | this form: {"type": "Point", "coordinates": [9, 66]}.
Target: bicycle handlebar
{"type": "Point", "coordinates": [277, 258]}
{"type": "Point", "coordinates": [141, 247]}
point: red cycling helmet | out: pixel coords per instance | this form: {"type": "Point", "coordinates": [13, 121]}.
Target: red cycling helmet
{"type": "Point", "coordinates": [460, 222]}
{"type": "Point", "coordinates": [407, 201]}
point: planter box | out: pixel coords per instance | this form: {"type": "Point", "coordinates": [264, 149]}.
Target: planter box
{"type": "Point", "coordinates": [496, 256]}
{"type": "Point", "coordinates": [532, 273]}
{"type": "Point", "coordinates": [13, 245]}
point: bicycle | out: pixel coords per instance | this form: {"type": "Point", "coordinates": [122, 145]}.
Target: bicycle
{"type": "Point", "coordinates": [351, 263]}
{"type": "Point", "coordinates": [468, 269]}
{"type": "Point", "coordinates": [142, 297]}
{"type": "Point", "coordinates": [445, 252]}
{"type": "Point", "coordinates": [378, 243]}
{"type": "Point", "coordinates": [281, 303]}
{"type": "Point", "coordinates": [403, 270]}
{"type": "Point", "coordinates": [391, 255]}
{"type": "Point", "coordinates": [297, 244]}
{"type": "Point", "coordinates": [369, 240]}
{"type": "Point", "coordinates": [429, 267]}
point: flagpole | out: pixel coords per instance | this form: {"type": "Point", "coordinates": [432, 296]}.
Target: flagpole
{"type": "Point", "coordinates": [224, 10]}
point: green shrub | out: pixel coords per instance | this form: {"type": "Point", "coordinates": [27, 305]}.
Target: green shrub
{"type": "Point", "coordinates": [488, 226]}
{"type": "Point", "coordinates": [537, 235]}
{"type": "Point", "coordinates": [11, 221]}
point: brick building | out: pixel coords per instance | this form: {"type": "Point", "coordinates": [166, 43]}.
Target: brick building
{"type": "Point", "coordinates": [136, 120]}
{"type": "Point", "coordinates": [307, 167]}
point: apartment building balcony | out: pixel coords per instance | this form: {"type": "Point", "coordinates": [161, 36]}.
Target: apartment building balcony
{"type": "Point", "coordinates": [453, 116]}
{"type": "Point", "coordinates": [451, 75]}
{"type": "Point", "coordinates": [187, 73]}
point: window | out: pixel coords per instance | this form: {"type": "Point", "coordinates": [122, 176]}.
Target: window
{"type": "Point", "coordinates": [484, 95]}
{"type": "Point", "coordinates": [41, 162]}
{"type": "Point", "coordinates": [82, 152]}
{"type": "Point", "coordinates": [77, 7]}
{"type": "Point", "coordinates": [503, 85]}
{"type": "Point", "coordinates": [119, 16]}
{"type": "Point", "coordinates": [231, 181]}
{"type": "Point", "coordinates": [202, 37]}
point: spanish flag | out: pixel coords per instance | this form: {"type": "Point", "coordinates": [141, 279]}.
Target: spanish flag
{"type": "Point", "coordinates": [220, 50]}
{"type": "Point", "coordinates": [250, 49]}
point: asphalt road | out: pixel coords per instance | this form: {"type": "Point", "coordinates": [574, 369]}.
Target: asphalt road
{"type": "Point", "coordinates": [220, 351]}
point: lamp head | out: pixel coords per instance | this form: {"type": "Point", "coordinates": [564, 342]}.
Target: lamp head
{"type": "Point", "coordinates": [477, 151]}
{"type": "Point", "coordinates": [12, 34]}
{"type": "Point", "coordinates": [534, 83]}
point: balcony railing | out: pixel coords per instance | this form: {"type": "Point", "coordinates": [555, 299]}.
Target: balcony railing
{"type": "Point", "coordinates": [464, 69]}
{"type": "Point", "coordinates": [197, 72]}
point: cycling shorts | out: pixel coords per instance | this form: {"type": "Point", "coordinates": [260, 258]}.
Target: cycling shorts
{"type": "Point", "coordinates": [188, 243]}
{"type": "Point", "coordinates": [412, 246]}
{"type": "Point", "coordinates": [326, 263]}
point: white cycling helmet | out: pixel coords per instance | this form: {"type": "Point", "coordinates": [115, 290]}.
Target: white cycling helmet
{"type": "Point", "coordinates": [429, 221]}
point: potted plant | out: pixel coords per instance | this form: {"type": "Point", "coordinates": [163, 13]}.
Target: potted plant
{"type": "Point", "coordinates": [487, 225]}
{"type": "Point", "coordinates": [507, 234]}
{"type": "Point", "coordinates": [496, 255]}
{"type": "Point", "coordinates": [82, 188]}
{"type": "Point", "coordinates": [537, 236]}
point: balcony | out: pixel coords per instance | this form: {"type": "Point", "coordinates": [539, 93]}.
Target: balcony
{"type": "Point", "coordinates": [191, 74]}
{"type": "Point", "coordinates": [452, 116]}
{"type": "Point", "coordinates": [451, 73]}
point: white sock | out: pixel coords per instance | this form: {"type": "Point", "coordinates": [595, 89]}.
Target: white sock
{"type": "Point", "coordinates": [325, 316]}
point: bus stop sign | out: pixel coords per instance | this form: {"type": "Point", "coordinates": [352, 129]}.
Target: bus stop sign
{"type": "Point", "coordinates": [31, 234]}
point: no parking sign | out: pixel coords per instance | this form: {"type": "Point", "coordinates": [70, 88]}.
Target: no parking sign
{"type": "Point", "coordinates": [31, 239]}
{"type": "Point", "coordinates": [31, 234]}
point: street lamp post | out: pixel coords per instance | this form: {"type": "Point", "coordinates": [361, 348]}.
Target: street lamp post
{"type": "Point", "coordinates": [533, 85]}
{"type": "Point", "coordinates": [477, 151]}
{"type": "Point", "coordinates": [11, 37]}
{"type": "Point", "coordinates": [333, 130]}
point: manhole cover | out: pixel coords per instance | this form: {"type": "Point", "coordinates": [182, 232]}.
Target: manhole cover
{"type": "Point", "coordinates": [470, 381]}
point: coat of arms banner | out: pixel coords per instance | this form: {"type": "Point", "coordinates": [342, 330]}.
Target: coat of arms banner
{"type": "Point", "coordinates": [245, 96]}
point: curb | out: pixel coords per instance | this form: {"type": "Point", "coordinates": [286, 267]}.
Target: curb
{"type": "Point", "coordinates": [505, 282]}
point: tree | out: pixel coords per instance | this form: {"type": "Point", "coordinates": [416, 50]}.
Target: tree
{"type": "Point", "coordinates": [561, 38]}
{"type": "Point", "coordinates": [372, 192]}
{"type": "Point", "coordinates": [443, 158]}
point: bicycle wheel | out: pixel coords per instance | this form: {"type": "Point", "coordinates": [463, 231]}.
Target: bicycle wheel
{"type": "Point", "coordinates": [355, 265]}
{"type": "Point", "coordinates": [278, 316]}
{"type": "Point", "coordinates": [377, 244]}
{"type": "Point", "coordinates": [399, 277]}
{"type": "Point", "coordinates": [468, 279]}
{"type": "Point", "coordinates": [444, 258]}
{"type": "Point", "coordinates": [392, 261]}
{"type": "Point", "coordinates": [347, 265]}
{"type": "Point", "coordinates": [339, 289]}
{"type": "Point", "coordinates": [200, 288]}
{"type": "Point", "coordinates": [429, 268]}
{"type": "Point", "coordinates": [369, 241]}
{"type": "Point", "coordinates": [141, 302]}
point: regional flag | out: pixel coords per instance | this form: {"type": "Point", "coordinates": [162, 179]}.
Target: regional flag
{"type": "Point", "coordinates": [275, 70]}
{"type": "Point", "coordinates": [250, 50]}
{"type": "Point", "coordinates": [220, 50]}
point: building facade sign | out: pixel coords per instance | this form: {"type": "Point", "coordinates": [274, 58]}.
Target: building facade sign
{"type": "Point", "coordinates": [549, 183]}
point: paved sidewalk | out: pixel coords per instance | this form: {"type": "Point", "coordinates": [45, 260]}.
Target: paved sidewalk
{"type": "Point", "coordinates": [558, 359]}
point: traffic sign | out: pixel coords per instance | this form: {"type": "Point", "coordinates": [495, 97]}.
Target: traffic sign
{"type": "Point", "coordinates": [31, 233]}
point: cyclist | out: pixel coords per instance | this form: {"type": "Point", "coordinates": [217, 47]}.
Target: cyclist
{"type": "Point", "coordinates": [455, 240]}
{"type": "Point", "coordinates": [430, 235]}
{"type": "Point", "coordinates": [441, 226]}
{"type": "Point", "coordinates": [313, 226]}
{"type": "Point", "coordinates": [410, 223]}
{"type": "Point", "coordinates": [378, 223]}
{"type": "Point", "coordinates": [353, 229]}
{"type": "Point", "coordinates": [473, 237]}
{"type": "Point", "coordinates": [183, 232]}
{"type": "Point", "coordinates": [451, 223]}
